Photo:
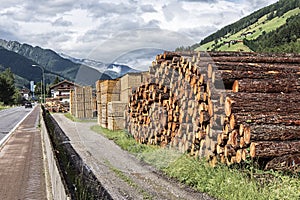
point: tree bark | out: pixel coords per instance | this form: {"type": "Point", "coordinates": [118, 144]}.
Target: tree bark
{"type": "Point", "coordinates": [262, 102]}
{"type": "Point", "coordinates": [257, 67]}
{"type": "Point", "coordinates": [258, 59]}
{"type": "Point", "coordinates": [267, 149]}
{"type": "Point", "coordinates": [272, 133]}
{"type": "Point", "coordinates": [226, 78]}
{"type": "Point", "coordinates": [267, 86]}
{"type": "Point", "coordinates": [265, 118]}
{"type": "Point", "coordinates": [285, 163]}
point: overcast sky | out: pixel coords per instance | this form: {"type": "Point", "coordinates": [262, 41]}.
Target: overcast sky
{"type": "Point", "coordinates": [104, 30]}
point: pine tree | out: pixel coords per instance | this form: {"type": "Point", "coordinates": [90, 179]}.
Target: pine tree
{"type": "Point", "coordinates": [7, 87]}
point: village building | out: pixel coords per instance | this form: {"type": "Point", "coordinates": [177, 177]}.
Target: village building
{"type": "Point", "coordinates": [62, 90]}
{"type": "Point", "coordinates": [25, 93]}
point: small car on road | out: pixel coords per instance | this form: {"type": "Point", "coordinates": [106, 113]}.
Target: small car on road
{"type": "Point", "coordinates": [28, 105]}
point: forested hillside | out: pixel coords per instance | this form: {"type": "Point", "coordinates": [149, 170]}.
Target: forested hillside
{"type": "Point", "coordinates": [274, 28]}
{"type": "Point", "coordinates": [283, 39]}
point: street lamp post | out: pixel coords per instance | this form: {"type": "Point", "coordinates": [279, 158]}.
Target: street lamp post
{"type": "Point", "coordinates": [43, 85]}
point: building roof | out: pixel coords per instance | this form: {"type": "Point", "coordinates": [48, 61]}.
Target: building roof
{"type": "Point", "coordinates": [25, 90]}
{"type": "Point", "coordinates": [63, 82]}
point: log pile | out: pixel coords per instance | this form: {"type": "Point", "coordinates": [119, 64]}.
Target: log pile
{"type": "Point", "coordinates": [175, 106]}
{"type": "Point", "coordinates": [55, 105]}
{"type": "Point", "coordinates": [227, 107]}
{"type": "Point", "coordinates": [262, 110]}
{"type": "Point", "coordinates": [112, 96]}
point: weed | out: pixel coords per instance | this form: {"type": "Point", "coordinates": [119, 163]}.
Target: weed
{"type": "Point", "coordinates": [244, 181]}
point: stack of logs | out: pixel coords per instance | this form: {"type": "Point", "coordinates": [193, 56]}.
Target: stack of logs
{"type": "Point", "coordinates": [227, 107]}
{"type": "Point", "coordinates": [262, 111]}
{"type": "Point", "coordinates": [55, 105]}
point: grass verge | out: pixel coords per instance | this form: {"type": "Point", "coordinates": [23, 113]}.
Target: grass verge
{"type": "Point", "coordinates": [222, 182]}
{"type": "Point", "coordinates": [2, 107]}
{"type": "Point", "coordinates": [75, 119]}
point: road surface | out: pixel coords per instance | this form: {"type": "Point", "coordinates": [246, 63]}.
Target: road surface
{"type": "Point", "coordinates": [9, 118]}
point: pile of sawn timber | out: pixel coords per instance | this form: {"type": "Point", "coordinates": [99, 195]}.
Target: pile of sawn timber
{"type": "Point", "coordinates": [226, 106]}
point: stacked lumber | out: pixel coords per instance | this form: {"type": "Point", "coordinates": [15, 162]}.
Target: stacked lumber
{"type": "Point", "coordinates": [128, 83]}
{"type": "Point", "coordinates": [115, 112]}
{"type": "Point", "coordinates": [81, 102]}
{"type": "Point", "coordinates": [98, 99]}
{"type": "Point", "coordinates": [106, 91]}
{"type": "Point", "coordinates": [228, 107]}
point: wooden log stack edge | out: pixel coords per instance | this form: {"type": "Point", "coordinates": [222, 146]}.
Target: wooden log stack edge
{"type": "Point", "coordinates": [227, 107]}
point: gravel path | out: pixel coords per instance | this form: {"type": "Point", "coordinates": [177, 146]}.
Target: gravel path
{"type": "Point", "coordinates": [112, 166]}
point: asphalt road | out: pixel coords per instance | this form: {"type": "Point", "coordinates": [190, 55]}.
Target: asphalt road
{"type": "Point", "coordinates": [9, 118]}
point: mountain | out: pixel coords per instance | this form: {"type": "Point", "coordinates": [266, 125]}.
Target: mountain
{"type": "Point", "coordinates": [274, 28]}
{"type": "Point", "coordinates": [52, 63]}
{"type": "Point", "coordinates": [20, 66]}
{"type": "Point", "coordinates": [114, 70]}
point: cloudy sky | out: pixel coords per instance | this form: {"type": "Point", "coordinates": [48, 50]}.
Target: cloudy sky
{"type": "Point", "coordinates": [104, 30]}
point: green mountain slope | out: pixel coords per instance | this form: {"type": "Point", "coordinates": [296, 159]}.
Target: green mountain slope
{"type": "Point", "coordinates": [256, 32]}
{"type": "Point", "coordinates": [20, 66]}
{"type": "Point", "coordinates": [20, 57]}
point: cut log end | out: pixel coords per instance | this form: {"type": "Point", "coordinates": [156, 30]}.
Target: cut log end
{"type": "Point", "coordinates": [247, 134]}
{"type": "Point", "coordinates": [252, 149]}
{"type": "Point", "coordinates": [228, 102]}
{"type": "Point", "coordinates": [235, 87]}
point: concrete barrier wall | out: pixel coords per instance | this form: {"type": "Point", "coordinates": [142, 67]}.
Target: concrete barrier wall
{"type": "Point", "coordinates": [58, 189]}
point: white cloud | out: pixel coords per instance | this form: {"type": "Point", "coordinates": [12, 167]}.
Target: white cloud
{"type": "Point", "coordinates": [106, 29]}
{"type": "Point", "coordinates": [61, 22]}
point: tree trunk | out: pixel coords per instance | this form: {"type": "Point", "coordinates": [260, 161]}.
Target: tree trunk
{"type": "Point", "coordinates": [272, 133]}
{"type": "Point", "coordinates": [267, 149]}
{"type": "Point", "coordinates": [265, 118]}
{"type": "Point", "coordinates": [262, 102]}
{"type": "Point", "coordinates": [285, 163]}
{"type": "Point", "coordinates": [267, 86]}
{"type": "Point", "coordinates": [258, 59]}
{"type": "Point", "coordinates": [257, 67]}
{"type": "Point", "coordinates": [226, 78]}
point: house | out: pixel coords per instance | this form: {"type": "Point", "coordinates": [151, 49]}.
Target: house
{"type": "Point", "coordinates": [25, 93]}
{"type": "Point", "coordinates": [62, 90]}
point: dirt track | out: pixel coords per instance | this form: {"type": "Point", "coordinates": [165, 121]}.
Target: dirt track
{"type": "Point", "coordinates": [112, 166]}
{"type": "Point", "coordinates": [21, 162]}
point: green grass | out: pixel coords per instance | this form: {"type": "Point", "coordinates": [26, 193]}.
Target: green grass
{"type": "Point", "coordinates": [235, 47]}
{"type": "Point", "coordinates": [2, 106]}
{"type": "Point", "coordinates": [261, 25]}
{"type": "Point", "coordinates": [124, 140]}
{"type": "Point", "coordinates": [74, 119]}
{"type": "Point", "coordinates": [222, 182]}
